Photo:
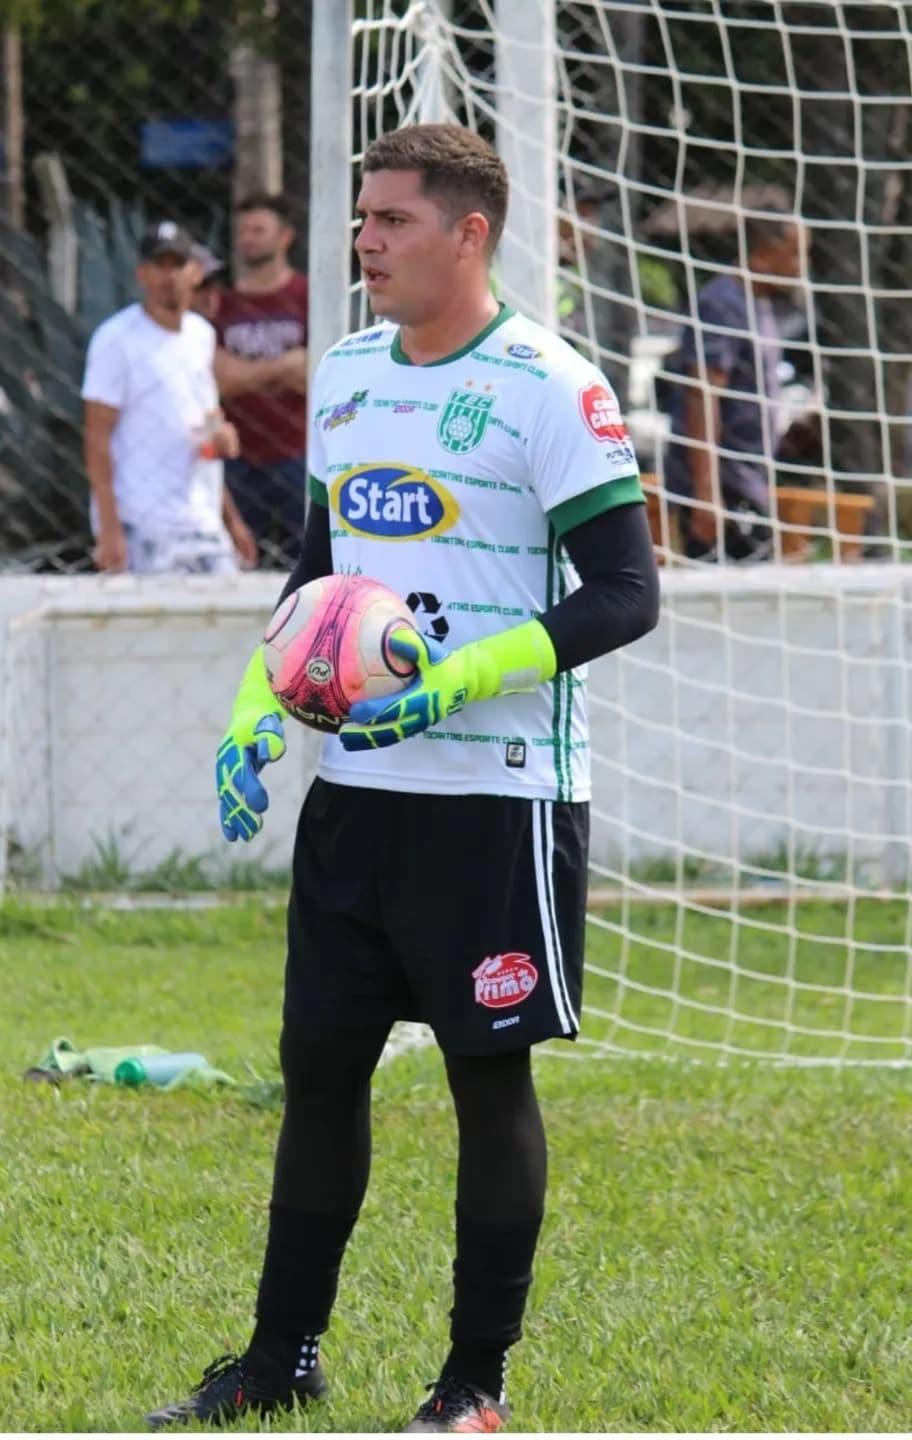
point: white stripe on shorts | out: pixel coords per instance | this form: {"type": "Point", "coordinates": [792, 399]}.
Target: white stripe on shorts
{"type": "Point", "coordinates": [543, 847]}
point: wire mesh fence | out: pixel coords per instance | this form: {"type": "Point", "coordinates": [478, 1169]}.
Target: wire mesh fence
{"type": "Point", "coordinates": [752, 771]}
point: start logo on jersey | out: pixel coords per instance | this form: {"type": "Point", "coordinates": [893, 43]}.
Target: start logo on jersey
{"type": "Point", "coordinates": [392, 502]}
{"type": "Point", "coordinates": [600, 411]}
{"type": "Point", "coordinates": [504, 980]}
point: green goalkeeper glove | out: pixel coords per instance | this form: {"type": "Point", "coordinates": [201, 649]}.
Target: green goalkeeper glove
{"type": "Point", "coordinates": [502, 664]}
{"type": "Point", "coordinates": [254, 738]}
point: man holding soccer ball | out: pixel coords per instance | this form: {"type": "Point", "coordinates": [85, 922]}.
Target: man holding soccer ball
{"type": "Point", "coordinates": [469, 458]}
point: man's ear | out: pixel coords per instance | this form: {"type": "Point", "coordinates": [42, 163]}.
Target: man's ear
{"type": "Point", "coordinates": [474, 232]}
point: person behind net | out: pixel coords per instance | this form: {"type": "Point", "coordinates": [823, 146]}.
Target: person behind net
{"type": "Point", "coordinates": [154, 435]}
{"type": "Point", "coordinates": [263, 317]}
{"type": "Point", "coordinates": [724, 423]}
{"type": "Point", "coordinates": [465, 455]}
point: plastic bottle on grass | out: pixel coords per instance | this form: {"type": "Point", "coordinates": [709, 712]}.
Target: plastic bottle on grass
{"type": "Point", "coordinates": [157, 1069]}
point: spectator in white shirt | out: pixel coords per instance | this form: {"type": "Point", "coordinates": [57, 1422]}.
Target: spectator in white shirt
{"type": "Point", "coordinates": [155, 437]}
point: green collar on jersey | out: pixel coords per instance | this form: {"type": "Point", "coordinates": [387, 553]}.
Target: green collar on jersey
{"type": "Point", "coordinates": [506, 312]}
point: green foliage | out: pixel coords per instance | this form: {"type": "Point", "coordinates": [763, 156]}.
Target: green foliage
{"type": "Point", "coordinates": [37, 15]}
{"type": "Point", "coordinates": [657, 282]}
{"type": "Point", "coordinates": [725, 1248]}
{"type": "Point", "coordinates": [112, 869]}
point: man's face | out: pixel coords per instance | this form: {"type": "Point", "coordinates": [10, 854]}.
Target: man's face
{"type": "Point", "coordinates": [167, 282]}
{"type": "Point", "coordinates": [205, 299]}
{"type": "Point", "coordinates": [261, 237]}
{"type": "Point", "coordinates": [780, 261]}
{"type": "Point", "coordinates": [409, 258]}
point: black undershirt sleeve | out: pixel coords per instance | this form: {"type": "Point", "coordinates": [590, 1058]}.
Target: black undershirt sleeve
{"type": "Point", "coordinates": [618, 600]}
{"type": "Point", "coordinates": [316, 549]}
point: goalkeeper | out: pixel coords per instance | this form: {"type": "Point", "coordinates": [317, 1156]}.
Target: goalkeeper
{"type": "Point", "coordinates": [440, 864]}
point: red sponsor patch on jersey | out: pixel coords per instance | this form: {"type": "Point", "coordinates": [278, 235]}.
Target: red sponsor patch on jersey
{"type": "Point", "coordinates": [600, 412]}
{"type": "Point", "coordinates": [502, 980]}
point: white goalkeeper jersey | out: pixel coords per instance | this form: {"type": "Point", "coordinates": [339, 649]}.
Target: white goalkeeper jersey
{"type": "Point", "coordinates": [453, 483]}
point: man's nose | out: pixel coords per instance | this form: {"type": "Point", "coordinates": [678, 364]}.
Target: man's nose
{"type": "Point", "coordinates": [367, 238]}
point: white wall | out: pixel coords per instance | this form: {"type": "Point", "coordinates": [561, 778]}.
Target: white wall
{"type": "Point", "coordinates": [769, 703]}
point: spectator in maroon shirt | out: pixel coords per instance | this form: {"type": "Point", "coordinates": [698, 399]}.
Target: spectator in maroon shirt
{"type": "Point", "coordinates": [263, 318]}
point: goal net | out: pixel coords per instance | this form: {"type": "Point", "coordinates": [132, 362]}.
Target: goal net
{"type": "Point", "coordinates": [750, 872]}
{"type": "Point", "coordinates": [750, 880]}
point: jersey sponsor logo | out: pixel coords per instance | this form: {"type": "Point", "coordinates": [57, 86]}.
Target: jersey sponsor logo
{"type": "Point", "coordinates": [344, 414]}
{"type": "Point", "coordinates": [601, 413]}
{"type": "Point", "coordinates": [464, 421]}
{"type": "Point", "coordinates": [392, 502]}
{"type": "Point", "coordinates": [502, 980]}
{"type": "Point", "coordinates": [363, 337]}
{"type": "Point", "coordinates": [523, 352]}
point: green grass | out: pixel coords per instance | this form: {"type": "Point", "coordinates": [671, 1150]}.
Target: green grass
{"type": "Point", "coordinates": [726, 1247]}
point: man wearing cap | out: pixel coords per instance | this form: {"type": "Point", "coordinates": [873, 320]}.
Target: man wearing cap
{"type": "Point", "coordinates": [155, 437]}
{"type": "Point", "coordinates": [207, 290]}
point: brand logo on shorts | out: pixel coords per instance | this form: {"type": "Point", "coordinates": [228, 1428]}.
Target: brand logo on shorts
{"type": "Point", "coordinates": [601, 413]}
{"type": "Point", "coordinates": [503, 980]}
{"type": "Point", "coordinates": [464, 420]}
{"type": "Point", "coordinates": [393, 502]}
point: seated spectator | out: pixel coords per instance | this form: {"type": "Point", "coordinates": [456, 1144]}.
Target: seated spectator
{"type": "Point", "coordinates": [724, 421]}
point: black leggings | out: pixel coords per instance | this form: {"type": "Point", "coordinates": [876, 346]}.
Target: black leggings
{"type": "Point", "coordinates": [323, 1162]}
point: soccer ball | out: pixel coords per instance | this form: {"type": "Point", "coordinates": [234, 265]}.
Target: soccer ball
{"type": "Point", "coordinates": [327, 646]}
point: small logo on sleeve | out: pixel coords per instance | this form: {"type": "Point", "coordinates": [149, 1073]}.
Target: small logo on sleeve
{"type": "Point", "coordinates": [502, 980]}
{"type": "Point", "coordinates": [601, 413]}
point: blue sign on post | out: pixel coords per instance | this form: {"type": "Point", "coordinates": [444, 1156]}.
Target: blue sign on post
{"type": "Point", "coordinates": [185, 144]}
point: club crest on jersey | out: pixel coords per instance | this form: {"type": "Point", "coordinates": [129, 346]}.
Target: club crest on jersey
{"type": "Point", "coordinates": [601, 413]}
{"type": "Point", "coordinates": [504, 980]}
{"type": "Point", "coordinates": [383, 501]}
{"type": "Point", "coordinates": [464, 420]}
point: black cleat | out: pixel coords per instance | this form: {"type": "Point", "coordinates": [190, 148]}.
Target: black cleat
{"type": "Point", "coordinates": [228, 1390]}
{"type": "Point", "coordinates": [457, 1408]}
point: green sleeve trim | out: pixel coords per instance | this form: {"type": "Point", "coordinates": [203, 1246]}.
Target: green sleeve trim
{"type": "Point", "coordinates": [569, 514]}
{"type": "Point", "coordinates": [317, 491]}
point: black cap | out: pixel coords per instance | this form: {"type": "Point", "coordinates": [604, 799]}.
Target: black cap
{"type": "Point", "coordinates": [166, 238]}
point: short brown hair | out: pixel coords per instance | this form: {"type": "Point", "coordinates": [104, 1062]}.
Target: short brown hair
{"type": "Point", "coordinates": [280, 205]}
{"type": "Point", "coordinates": [458, 169]}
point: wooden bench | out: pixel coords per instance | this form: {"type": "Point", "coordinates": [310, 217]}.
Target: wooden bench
{"type": "Point", "coordinates": [662, 517]}
{"type": "Point", "coordinates": [795, 508]}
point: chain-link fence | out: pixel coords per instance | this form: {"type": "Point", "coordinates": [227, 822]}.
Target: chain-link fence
{"type": "Point", "coordinates": [677, 121]}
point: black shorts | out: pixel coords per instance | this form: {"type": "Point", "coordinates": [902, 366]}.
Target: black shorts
{"type": "Point", "coordinates": [464, 911]}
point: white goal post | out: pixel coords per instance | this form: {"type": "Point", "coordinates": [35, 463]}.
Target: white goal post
{"type": "Point", "coordinates": [751, 824]}
{"type": "Point", "coordinates": [752, 764]}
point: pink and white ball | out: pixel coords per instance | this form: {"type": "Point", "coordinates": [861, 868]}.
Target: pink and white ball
{"type": "Point", "coordinates": [327, 646]}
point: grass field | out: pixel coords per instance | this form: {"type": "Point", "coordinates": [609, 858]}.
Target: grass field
{"type": "Point", "coordinates": [726, 1247]}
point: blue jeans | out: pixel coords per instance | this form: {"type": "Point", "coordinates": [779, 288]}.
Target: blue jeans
{"type": "Point", "coordinates": [271, 499]}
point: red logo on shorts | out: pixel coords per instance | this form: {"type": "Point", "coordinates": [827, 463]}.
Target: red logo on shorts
{"type": "Point", "coordinates": [601, 413]}
{"type": "Point", "coordinates": [504, 980]}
